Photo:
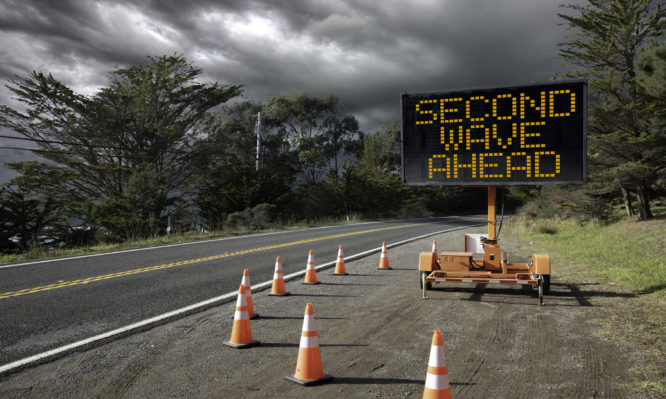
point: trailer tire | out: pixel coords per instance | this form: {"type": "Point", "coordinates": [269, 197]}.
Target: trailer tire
{"type": "Point", "coordinates": [541, 293]}
{"type": "Point", "coordinates": [422, 276]}
{"type": "Point", "coordinates": [546, 284]}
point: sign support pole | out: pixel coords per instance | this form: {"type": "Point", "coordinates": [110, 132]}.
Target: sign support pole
{"type": "Point", "coordinates": [257, 128]}
{"type": "Point", "coordinates": [491, 212]}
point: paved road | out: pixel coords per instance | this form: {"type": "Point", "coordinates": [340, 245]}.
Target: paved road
{"type": "Point", "coordinates": [49, 304]}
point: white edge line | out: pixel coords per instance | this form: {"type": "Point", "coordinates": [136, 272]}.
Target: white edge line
{"type": "Point", "coordinates": [189, 243]}
{"type": "Point", "coordinates": [146, 323]}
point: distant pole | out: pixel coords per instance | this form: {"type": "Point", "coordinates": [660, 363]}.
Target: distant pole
{"type": "Point", "coordinates": [257, 127]}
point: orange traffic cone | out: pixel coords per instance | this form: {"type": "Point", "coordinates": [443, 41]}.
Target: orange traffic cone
{"type": "Point", "coordinates": [278, 280]}
{"type": "Point", "coordinates": [248, 292]}
{"type": "Point", "coordinates": [340, 264]}
{"type": "Point", "coordinates": [310, 272]}
{"type": "Point", "coordinates": [383, 261]}
{"type": "Point", "coordinates": [437, 379]}
{"type": "Point", "coordinates": [434, 247]}
{"type": "Point", "coordinates": [241, 332]}
{"type": "Point", "coordinates": [309, 370]}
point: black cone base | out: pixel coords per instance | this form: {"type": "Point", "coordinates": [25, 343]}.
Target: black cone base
{"type": "Point", "coordinates": [254, 316]}
{"type": "Point", "coordinates": [326, 378]}
{"type": "Point", "coordinates": [242, 346]}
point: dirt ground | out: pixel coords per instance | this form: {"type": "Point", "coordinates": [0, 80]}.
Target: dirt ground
{"type": "Point", "coordinates": [375, 333]}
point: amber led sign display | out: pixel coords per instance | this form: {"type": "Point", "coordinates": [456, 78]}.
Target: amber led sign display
{"type": "Point", "coordinates": [522, 135]}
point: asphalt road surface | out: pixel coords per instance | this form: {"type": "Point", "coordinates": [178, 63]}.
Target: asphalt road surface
{"type": "Point", "coordinates": [45, 305]}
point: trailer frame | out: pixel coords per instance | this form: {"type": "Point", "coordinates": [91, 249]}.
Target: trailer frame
{"type": "Point", "coordinates": [494, 268]}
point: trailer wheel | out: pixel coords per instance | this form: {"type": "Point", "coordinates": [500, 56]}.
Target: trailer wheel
{"type": "Point", "coordinates": [540, 286]}
{"type": "Point", "coordinates": [546, 284]}
{"type": "Point", "coordinates": [422, 277]}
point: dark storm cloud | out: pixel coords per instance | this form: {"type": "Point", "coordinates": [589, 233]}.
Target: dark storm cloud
{"type": "Point", "coordinates": [365, 52]}
{"type": "Point", "coordinates": [422, 46]}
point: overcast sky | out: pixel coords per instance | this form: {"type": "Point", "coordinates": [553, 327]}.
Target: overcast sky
{"type": "Point", "coordinates": [365, 52]}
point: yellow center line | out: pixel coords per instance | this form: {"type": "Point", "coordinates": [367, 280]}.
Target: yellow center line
{"type": "Point", "coordinates": [87, 280]}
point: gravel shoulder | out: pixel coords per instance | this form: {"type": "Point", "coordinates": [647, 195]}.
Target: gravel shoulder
{"type": "Point", "coordinates": [374, 331]}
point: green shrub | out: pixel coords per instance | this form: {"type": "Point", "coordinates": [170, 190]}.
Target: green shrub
{"type": "Point", "coordinates": [236, 221]}
{"type": "Point", "coordinates": [544, 228]}
{"type": "Point", "coordinates": [257, 218]}
{"type": "Point", "coordinates": [260, 216]}
{"type": "Point", "coordinates": [582, 204]}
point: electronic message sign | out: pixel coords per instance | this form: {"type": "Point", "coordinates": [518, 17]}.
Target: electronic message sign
{"type": "Point", "coordinates": [523, 135]}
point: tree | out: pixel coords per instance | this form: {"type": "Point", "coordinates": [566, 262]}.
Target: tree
{"type": "Point", "coordinates": [318, 130]}
{"type": "Point", "coordinates": [651, 69]}
{"type": "Point", "coordinates": [651, 75]}
{"type": "Point", "coordinates": [129, 148]}
{"type": "Point", "coordinates": [625, 149]}
{"type": "Point", "coordinates": [382, 150]}
{"type": "Point", "coordinates": [33, 207]}
{"type": "Point", "coordinates": [230, 182]}
{"type": "Point", "coordinates": [370, 186]}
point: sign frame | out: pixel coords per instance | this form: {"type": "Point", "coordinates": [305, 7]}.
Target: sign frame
{"type": "Point", "coordinates": [485, 90]}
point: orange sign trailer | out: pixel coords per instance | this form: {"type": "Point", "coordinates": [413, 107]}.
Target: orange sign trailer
{"type": "Point", "coordinates": [528, 135]}
{"type": "Point", "coordinates": [494, 268]}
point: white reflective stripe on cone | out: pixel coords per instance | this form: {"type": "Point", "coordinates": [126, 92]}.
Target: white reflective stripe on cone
{"type": "Point", "coordinates": [241, 302]}
{"type": "Point", "coordinates": [437, 381]}
{"type": "Point", "coordinates": [241, 315]}
{"type": "Point", "coordinates": [437, 358]}
{"type": "Point", "coordinates": [277, 276]}
{"type": "Point", "coordinates": [308, 323]}
{"type": "Point", "coordinates": [309, 342]}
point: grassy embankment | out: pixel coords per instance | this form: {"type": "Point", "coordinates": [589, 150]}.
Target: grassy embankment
{"type": "Point", "coordinates": [622, 269]}
{"type": "Point", "coordinates": [41, 253]}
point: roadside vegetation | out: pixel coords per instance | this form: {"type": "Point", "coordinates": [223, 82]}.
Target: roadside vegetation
{"type": "Point", "coordinates": [625, 252]}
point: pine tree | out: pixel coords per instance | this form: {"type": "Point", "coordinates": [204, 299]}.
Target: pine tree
{"type": "Point", "coordinates": [128, 149]}
{"type": "Point", "coordinates": [625, 143]}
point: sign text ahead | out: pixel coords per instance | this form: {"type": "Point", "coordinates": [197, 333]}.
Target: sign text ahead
{"type": "Point", "coordinates": [526, 135]}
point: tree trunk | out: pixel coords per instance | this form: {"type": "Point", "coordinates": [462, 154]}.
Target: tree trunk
{"type": "Point", "coordinates": [627, 202]}
{"type": "Point", "coordinates": [643, 202]}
